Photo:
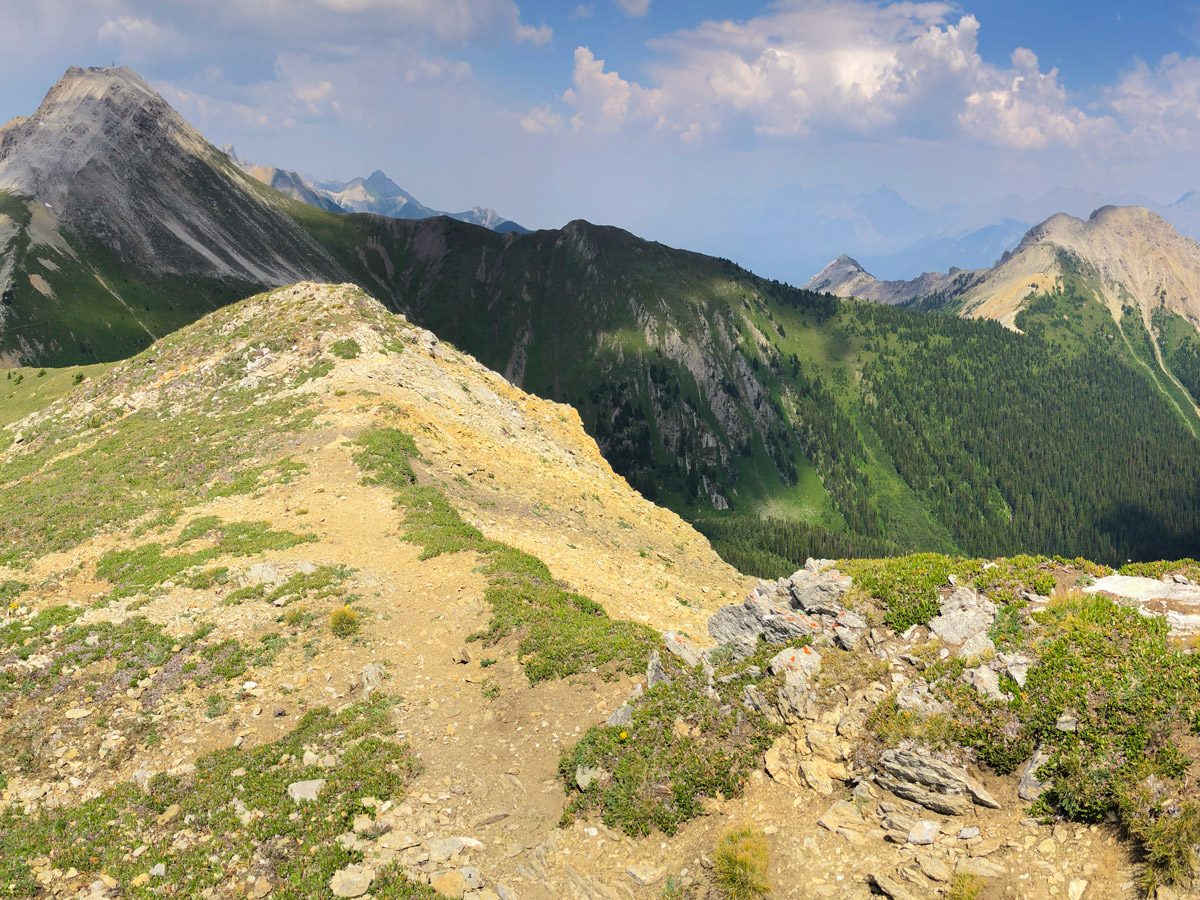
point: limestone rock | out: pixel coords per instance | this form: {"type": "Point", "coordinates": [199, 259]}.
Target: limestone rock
{"type": "Point", "coordinates": [891, 887]}
{"type": "Point", "coordinates": [655, 673]}
{"type": "Point", "coordinates": [1030, 787]}
{"type": "Point", "coordinates": [352, 881]}
{"type": "Point", "coordinates": [683, 648]}
{"type": "Point", "coordinates": [924, 832]}
{"type": "Point", "coordinates": [976, 646]}
{"type": "Point", "coordinates": [797, 663]}
{"type": "Point", "coordinates": [645, 875]}
{"type": "Point", "coordinates": [586, 776]}
{"type": "Point", "coordinates": [963, 615]}
{"type": "Point", "coordinates": [306, 791]}
{"type": "Point", "coordinates": [986, 682]}
{"type": "Point", "coordinates": [911, 768]}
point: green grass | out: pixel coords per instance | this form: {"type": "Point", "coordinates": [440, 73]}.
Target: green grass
{"type": "Point", "coordinates": [345, 348]}
{"type": "Point", "coordinates": [22, 393]}
{"type": "Point", "coordinates": [295, 841]}
{"type": "Point", "coordinates": [145, 566]}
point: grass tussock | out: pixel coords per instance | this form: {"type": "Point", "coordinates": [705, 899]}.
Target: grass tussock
{"type": "Point", "coordinates": [740, 865]}
{"type": "Point", "coordinates": [343, 621]}
{"type": "Point", "coordinates": [965, 886]}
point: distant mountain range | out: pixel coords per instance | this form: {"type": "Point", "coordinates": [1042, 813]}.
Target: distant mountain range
{"type": "Point", "coordinates": [792, 232]}
{"type": "Point", "coordinates": [376, 194]}
{"type": "Point", "coordinates": [709, 388]}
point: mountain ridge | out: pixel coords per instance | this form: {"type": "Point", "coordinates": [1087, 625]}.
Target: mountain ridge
{"type": "Point", "coordinates": [714, 391]}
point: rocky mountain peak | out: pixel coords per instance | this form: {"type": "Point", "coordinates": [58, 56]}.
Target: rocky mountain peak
{"type": "Point", "coordinates": [112, 161]}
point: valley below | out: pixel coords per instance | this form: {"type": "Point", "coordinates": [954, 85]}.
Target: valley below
{"type": "Point", "coordinates": [303, 601]}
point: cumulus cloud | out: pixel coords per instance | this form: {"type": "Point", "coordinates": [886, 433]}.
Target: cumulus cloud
{"type": "Point", "coordinates": [1160, 104]}
{"type": "Point", "coordinates": [604, 100]}
{"type": "Point", "coordinates": [848, 66]}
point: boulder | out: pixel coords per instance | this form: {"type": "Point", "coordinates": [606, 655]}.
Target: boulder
{"type": "Point", "coordinates": [1016, 666]}
{"type": "Point", "coordinates": [645, 875]}
{"type": "Point", "coordinates": [742, 625]}
{"type": "Point", "coordinates": [352, 881]}
{"type": "Point", "coordinates": [585, 776]}
{"type": "Point", "coordinates": [798, 664]}
{"type": "Point", "coordinates": [917, 697]}
{"type": "Point", "coordinates": [976, 646]}
{"type": "Point", "coordinates": [817, 593]}
{"type": "Point", "coordinates": [924, 832]}
{"type": "Point", "coordinates": [655, 673]}
{"type": "Point", "coordinates": [306, 791]}
{"type": "Point", "coordinates": [621, 716]}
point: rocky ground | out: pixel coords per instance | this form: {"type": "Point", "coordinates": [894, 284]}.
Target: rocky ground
{"type": "Point", "coordinates": [122, 663]}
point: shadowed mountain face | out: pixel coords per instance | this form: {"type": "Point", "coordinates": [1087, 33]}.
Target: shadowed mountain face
{"type": "Point", "coordinates": [860, 427]}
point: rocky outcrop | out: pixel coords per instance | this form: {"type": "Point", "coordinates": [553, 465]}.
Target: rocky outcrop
{"type": "Point", "coordinates": [806, 604]}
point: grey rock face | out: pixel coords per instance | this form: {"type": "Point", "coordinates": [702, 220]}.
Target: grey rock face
{"type": "Point", "coordinates": [585, 776]}
{"type": "Point", "coordinates": [683, 648]}
{"type": "Point", "coordinates": [912, 768]}
{"type": "Point", "coordinates": [620, 717]}
{"type": "Point", "coordinates": [352, 881]}
{"type": "Point", "coordinates": [916, 697]}
{"type": "Point", "coordinates": [986, 681]}
{"type": "Point", "coordinates": [1067, 721]}
{"type": "Point", "coordinates": [779, 612]}
{"type": "Point", "coordinates": [976, 646]}
{"type": "Point", "coordinates": [1030, 787]}
{"type": "Point", "coordinates": [964, 614]}
{"type": "Point", "coordinates": [741, 626]}
{"type": "Point", "coordinates": [306, 791]}
{"type": "Point", "coordinates": [655, 673]}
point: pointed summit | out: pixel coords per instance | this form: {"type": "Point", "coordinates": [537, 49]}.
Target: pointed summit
{"type": "Point", "coordinates": [115, 163]}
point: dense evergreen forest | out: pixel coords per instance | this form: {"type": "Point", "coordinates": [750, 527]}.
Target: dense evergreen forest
{"type": "Point", "coordinates": [1018, 449]}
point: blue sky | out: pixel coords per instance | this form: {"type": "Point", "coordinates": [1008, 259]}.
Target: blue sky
{"type": "Point", "coordinates": [659, 116]}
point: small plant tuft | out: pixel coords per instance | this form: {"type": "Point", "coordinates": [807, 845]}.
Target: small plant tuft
{"type": "Point", "coordinates": [343, 621]}
{"type": "Point", "coordinates": [346, 348]}
{"type": "Point", "coordinates": [740, 865]}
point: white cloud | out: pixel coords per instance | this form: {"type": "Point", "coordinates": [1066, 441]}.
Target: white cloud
{"type": "Point", "coordinates": [604, 100]}
{"type": "Point", "coordinates": [583, 11]}
{"type": "Point", "coordinates": [540, 120]}
{"type": "Point", "coordinates": [1160, 104]}
{"type": "Point", "coordinates": [439, 71]}
{"type": "Point", "coordinates": [313, 24]}
{"type": "Point", "coordinates": [633, 8]}
{"type": "Point", "coordinates": [872, 69]}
